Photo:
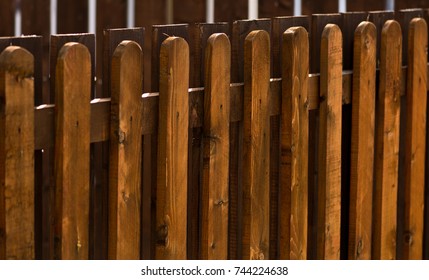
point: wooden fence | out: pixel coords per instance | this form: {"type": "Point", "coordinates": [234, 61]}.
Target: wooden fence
{"type": "Point", "coordinates": [269, 141]}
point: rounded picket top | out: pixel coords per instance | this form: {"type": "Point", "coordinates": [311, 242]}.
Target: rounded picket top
{"type": "Point", "coordinates": [174, 45]}
{"type": "Point", "coordinates": [74, 51]}
{"type": "Point", "coordinates": [332, 32]}
{"type": "Point", "coordinates": [393, 29]}
{"type": "Point", "coordinates": [128, 48]}
{"type": "Point", "coordinates": [367, 33]}
{"type": "Point", "coordinates": [18, 60]}
{"type": "Point", "coordinates": [260, 41]}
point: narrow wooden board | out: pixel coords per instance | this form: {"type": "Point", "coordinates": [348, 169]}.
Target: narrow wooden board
{"type": "Point", "coordinates": [415, 142]}
{"type": "Point", "coordinates": [7, 18]}
{"type": "Point", "coordinates": [172, 158]}
{"type": "Point", "coordinates": [256, 146]}
{"type": "Point", "coordinates": [17, 154]}
{"type": "Point", "coordinates": [125, 148]}
{"type": "Point", "coordinates": [408, 4]}
{"type": "Point", "coordinates": [387, 143]}
{"type": "Point", "coordinates": [365, 5]}
{"type": "Point", "coordinates": [72, 115]}
{"type": "Point", "coordinates": [379, 18]}
{"type": "Point", "coordinates": [215, 192]}
{"type": "Point", "coordinates": [329, 183]}
{"type": "Point", "coordinates": [273, 8]}
{"type": "Point", "coordinates": [228, 11]}
{"type": "Point", "coordinates": [294, 145]}
{"type": "Point", "coordinates": [189, 11]}
{"type": "Point", "coordinates": [310, 7]}
{"type": "Point", "coordinates": [72, 16]}
{"type": "Point", "coordinates": [362, 141]}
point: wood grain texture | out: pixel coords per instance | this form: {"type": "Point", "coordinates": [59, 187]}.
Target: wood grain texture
{"type": "Point", "coordinates": [125, 150]}
{"type": "Point", "coordinates": [215, 193]}
{"type": "Point", "coordinates": [329, 183]}
{"type": "Point", "coordinates": [415, 139]}
{"type": "Point", "coordinates": [387, 143]}
{"type": "Point", "coordinates": [17, 154]}
{"type": "Point", "coordinates": [72, 121]}
{"type": "Point", "coordinates": [362, 141]}
{"type": "Point", "coordinates": [172, 157]}
{"type": "Point", "coordinates": [256, 146]}
{"type": "Point", "coordinates": [294, 145]}
{"type": "Point", "coordinates": [72, 16]}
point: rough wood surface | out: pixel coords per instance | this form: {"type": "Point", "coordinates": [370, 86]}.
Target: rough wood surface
{"type": "Point", "coordinates": [329, 183]}
{"type": "Point", "coordinates": [256, 146]}
{"type": "Point", "coordinates": [72, 122]}
{"type": "Point", "coordinates": [125, 151]}
{"type": "Point", "coordinates": [172, 157]}
{"type": "Point", "coordinates": [17, 154]}
{"type": "Point", "coordinates": [294, 145]}
{"type": "Point", "coordinates": [362, 141]}
{"type": "Point", "coordinates": [387, 143]}
{"type": "Point", "coordinates": [215, 193]}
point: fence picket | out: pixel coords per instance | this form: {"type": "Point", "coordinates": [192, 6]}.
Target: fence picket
{"type": "Point", "coordinates": [294, 145]}
{"type": "Point", "coordinates": [330, 108]}
{"type": "Point", "coordinates": [256, 146]}
{"type": "Point", "coordinates": [215, 198]}
{"type": "Point", "coordinates": [72, 16]}
{"type": "Point", "coordinates": [172, 179]}
{"type": "Point", "coordinates": [362, 141]}
{"type": "Point", "coordinates": [387, 143]}
{"type": "Point", "coordinates": [72, 121]}
{"type": "Point", "coordinates": [125, 150]}
{"type": "Point", "coordinates": [17, 154]}
{"type": "Point", "coordinates": [415, 141]}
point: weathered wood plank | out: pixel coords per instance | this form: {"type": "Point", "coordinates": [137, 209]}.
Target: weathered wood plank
{"type": "Point", "coordinates": [17, 154]}
{"type": "Point", "coordinates": [415, 141]}
{"type": "Point", "coordinates": [215, 193]}
{"type": "Point", "coordinates": [294, 145]}
{"type": "Point", "coordinates": [387, 143]}
{"type": "Point", "coordinates": [125, 150]}
{"type": "Point", "coordinates": [362, 141]}
{"type": "Point", "coordinates": [256, 146]}
{"type": "Point", "coordinates": [72, 122]}
{"type": "Point", "coordinates": [329, 183]}
{"type": "Point", "coordinates": [172, 158]}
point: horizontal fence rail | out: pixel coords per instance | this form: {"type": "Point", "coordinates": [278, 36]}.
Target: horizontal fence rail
{"type": "Point", "coordinates": [287, 138]}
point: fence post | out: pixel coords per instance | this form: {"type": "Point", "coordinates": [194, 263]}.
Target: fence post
{"type": "Point", "coordinates": [330, 109]}
{"type": "Point", "coordinates": [387, 143]}
{"type": "Point", "coordinates": [16, 154]}
{"type": "Point", "coordinates": [256, 146]}
{"type": "Point", "coordinates": [172, 177]}
{"type": "Point", "coordinates": [362, 141]}
{"type": "Point", "coordinates": [415, 141]}
{"type": "Point", "coordinates": [125, 151]}
{"type": "Point", "coordinates": [215, 194]}
{"type": "Point", "coordinates": [294, 128]}
{"type": "Point", "coordinates": [72, 122]}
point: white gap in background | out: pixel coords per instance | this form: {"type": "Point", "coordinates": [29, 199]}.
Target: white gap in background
{"type": "Point", "coordinates": [390, 5]}
{"type": "Point", "coordinates": [92, 16]}
{"type": "Point", "coordinates": [18, 19]}
{"type": "Point", "coordinates": [297, 7]}
{"type": "Point", "coordinates": [253, 9]}
{"type": "Point", "coordinates": [342, 6]}
{"type": "Point", "coordinates": [210, 7]}
{"type": "Point", "coordinates": [131, 7]}
{"type": "Point", "coordinates": [53, 26]}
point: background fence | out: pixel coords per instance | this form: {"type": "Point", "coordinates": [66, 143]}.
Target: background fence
{"type": "Point", "coordinates": [106, 202]}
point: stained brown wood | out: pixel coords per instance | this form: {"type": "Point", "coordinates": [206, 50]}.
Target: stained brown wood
{"type": "Point", "coordinates": [362, 141]}
{"type": "Point", "coordinates": [72, 122]}
{"type": "Point", "coordinates": [125, 144]}
{"type": "Point", "coordinates": [17, 154]}
{"type": "Point", "coordinates": [215, 193]}
{"type": "Point", "coordinates": [7, 18]}
{"type": "Point", "coordinates": [379, 19]}
{"type": "Point", "coordinates": [402, 4]}
{"type": "Point", "coordinates": [256, 146]}
{"type": "Point", "coordinates": [189, 11]}
{"type": "Point", "coordinates": [329, 183]}
{"type": "Point", "coordinates": [72, 16]}
{"type": "Point", "coordinates": [310, 7]}
{"type": "Point", "coordinates": [272, 8]}
{"type": "Point", "coordinates": [415, 139]}
{"type": "Point", "coordinates": [228, 11]}
{"type": "Point", "coordinates": [387, 143]}
{"type": "Point", "coordinates": [365, 5]}
{"type": "Point", "coordinates": [172, 157]}
{"type": "Point", "coordinates": [294, 145]}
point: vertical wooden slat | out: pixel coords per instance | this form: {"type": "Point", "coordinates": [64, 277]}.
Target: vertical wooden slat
{"type": "Point", "coordinates": [379, 19]}
{"type": "Point", "coordinates": [189, 11]}
{"type": "Point", "coordinates": [72, 118]}
{"type": "Point", "coordinates": [256, 146]}
{"type": "Point", "coordinates": [365, 5]}
{"type": "Point", "coordinates": [17, 154]}
{"type": "Point", "coordinates": [7, 18]}
{"type": "Point", "coordinates": [310, 7]}
{"type": "Point", "coordinates": [72, 16]}
{"type": "Point", "coordinates": [172, 158]}
{"type": "Point", "coordinates": [273, 8]}
{"type": "Point", "coordinates": [229, 11]}
{"type": "Point", "coordinates": [387, 143]}
{"type": "Point", "coordinates": [362, 141]}
{"type": "Point", "coordinates": [125, 150]}
{"type": "Point", "coordinates": [415, 142]}
{"type": "Point", "coordinates": [294, 145]}
{"type": "Point", "coordinates": [215, 193]}
{"type": "Point", "coordinates": [329, 183]}
{"type": "Point", "coordinates": [408, 4]}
